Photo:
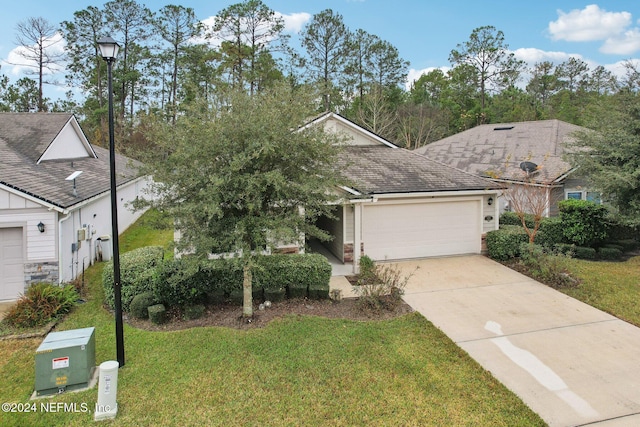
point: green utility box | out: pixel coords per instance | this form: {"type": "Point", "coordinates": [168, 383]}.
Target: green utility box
{"type": "Point", "coordinates": [65, 361]}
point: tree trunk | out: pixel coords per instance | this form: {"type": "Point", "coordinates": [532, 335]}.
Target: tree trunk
{"type": "Point", "coordinates": [247, 301]}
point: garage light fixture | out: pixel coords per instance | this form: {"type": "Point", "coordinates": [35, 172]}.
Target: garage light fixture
{"type": "Point", "coordinates": [490, 201]}
{"type": "Point", "coordinates": [41, 227]}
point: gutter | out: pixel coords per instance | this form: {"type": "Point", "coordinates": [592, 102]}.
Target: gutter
{"type": "Point", "coordinates": [68, 215]}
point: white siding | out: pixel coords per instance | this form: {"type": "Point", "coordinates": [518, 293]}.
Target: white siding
{"type": "Point", "coordinates": [40, 246]}
{"type": "Point", "coordinates": [13, 201]}
{"type": "Point", "coordinates": [67, 145]}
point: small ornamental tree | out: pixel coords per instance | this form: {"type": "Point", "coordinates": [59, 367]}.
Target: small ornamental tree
{"type": "Point", "coordinates": [241, 176]}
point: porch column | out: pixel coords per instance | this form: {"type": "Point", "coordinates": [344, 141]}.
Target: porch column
{"type": "Point", "coordinates": [357, 236]}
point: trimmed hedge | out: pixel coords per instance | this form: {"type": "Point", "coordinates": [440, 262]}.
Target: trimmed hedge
{"type": "Point", "coordinates": [550, 233]}
{"type": "Point", "coordinates": [582, 252]}
{"type": "Point", "coordinates": [504, 244]}
{"type": "Point", "coordinates": [186, 282]}
{"type": "Point", "coordinates": [140, 303]}
{"type": "Point", "coordinates": [511, 218]}
{"type": "Point", "coordinates": [137, 269]}
{"type": "Point", "coordinates": [610, 254]}
{"type": "Point", "coordinates": [584, 222]}
{"type": "Point", "coordinates": [157, 314]}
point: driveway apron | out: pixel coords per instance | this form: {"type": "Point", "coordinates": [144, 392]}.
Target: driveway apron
{"type": "Point", "coordinates": [569, 362]}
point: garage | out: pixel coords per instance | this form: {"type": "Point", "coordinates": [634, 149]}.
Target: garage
{"type": "Point", "coordinates": [11, 263]}
{"type": "Point", "coordinates": [416, 230]}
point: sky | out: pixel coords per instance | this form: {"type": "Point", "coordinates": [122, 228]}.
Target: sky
{"type": "Point", "coordinates": [424, 31]}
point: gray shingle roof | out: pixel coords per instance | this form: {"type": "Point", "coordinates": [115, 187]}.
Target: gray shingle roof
{"type": "Point", "coordinates": [383, 170]}
{"type": "Point", "coordinates": [23, 139]}
{"type": "Point", "coordinates": [496, 150]}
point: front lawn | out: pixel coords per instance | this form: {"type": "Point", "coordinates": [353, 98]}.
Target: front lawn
{"type": "Point", "coordinates": [299, 370]}
{"type": "Point", "coordinates": [613, 287]}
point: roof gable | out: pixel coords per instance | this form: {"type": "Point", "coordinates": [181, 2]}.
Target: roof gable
{"type": "Point", "coordinates": [355, 135]}
{"type": "Point", "coordinates": [69, 143]}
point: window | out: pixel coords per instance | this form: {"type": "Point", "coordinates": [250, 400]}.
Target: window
{"type": "Point", "coordinates": [591, 196]}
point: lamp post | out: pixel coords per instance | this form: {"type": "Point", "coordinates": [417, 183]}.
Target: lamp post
{"type": "Point", "coordinates": [109, 51]}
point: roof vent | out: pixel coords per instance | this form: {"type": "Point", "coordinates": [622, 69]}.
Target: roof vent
{"type": "Point", "coordinates": [528, 167]}
{"type": "Point", "coordinates": [504, 128]}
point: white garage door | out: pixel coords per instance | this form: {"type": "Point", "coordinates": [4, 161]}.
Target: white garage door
{"type": "Point", "coordinates": [11, 264]}
{"type": "Point", "coordinates": [416, 230]}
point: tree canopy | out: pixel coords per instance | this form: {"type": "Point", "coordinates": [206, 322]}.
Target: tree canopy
{"type": "Point", "coordinates": [244, 175]}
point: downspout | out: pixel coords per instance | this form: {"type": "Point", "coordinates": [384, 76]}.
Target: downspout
{"type": "Point", "coordinates": [60, 263]}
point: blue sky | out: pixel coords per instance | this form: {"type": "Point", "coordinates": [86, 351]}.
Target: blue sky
{"type": "Point", "coordinates": [600, 33]}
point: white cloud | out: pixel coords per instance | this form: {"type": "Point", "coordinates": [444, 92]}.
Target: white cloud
{"type": "Point", "coordinates": [294, 22]}
{"type": "Point", "coordinates": [626, 44]}
{"type": "Point", "coordinates": [531, 55]}
{"type": "Point", "coordinates": [590, 23]}
{"type": "Point", "coordinates": [18, 65]}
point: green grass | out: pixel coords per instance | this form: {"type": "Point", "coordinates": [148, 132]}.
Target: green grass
{"type": "Point", "coordinates": [613, 287]}
{"type": "Point", "coordinates": [296, 371]}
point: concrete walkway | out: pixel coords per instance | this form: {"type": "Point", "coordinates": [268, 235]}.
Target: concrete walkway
{"type": "Point", "coordinates": [569, 362]}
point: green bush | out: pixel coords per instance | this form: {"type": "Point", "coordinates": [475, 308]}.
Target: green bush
{"type": "Point", "coordinates": [610, 254]}
{"type": "Point", "coordinates": [320, 291]}
{"type": "Point", "coordinates": [504, 244]}
{"type": "Point", "coordinates": [275, 294]}
{"type": "Point", "coordinates": [175, 282]}
{"type": "Point", "coordinates": [584, 223]}
{"type": "Point", "coordinates": [627, 245]}
{"type": "Point", "coordinates": [582, 252]}
{"type": "Point", "coordinates": [40, 304]}
{"type": "Point", "coordinates": [565, 249]}
{"type": "Point", "coordinates": [550, 233]}
{"type": "Point", "coordinates": [511, 218]}
{"type": "Point", "coordinates": [137, 269]}
{"type": "Point", "coordinates": [293, 273]}
{"type": "Point", "coordinates": [545, 266]}
{"type": "Point", "coordinates": [192, 312]}
{"type": "Point", "coordinates": [384, 289]}
{"type": "Point", "coordinates": [157, 314]}
{"type": "Point", "coordinates": [140, 303]}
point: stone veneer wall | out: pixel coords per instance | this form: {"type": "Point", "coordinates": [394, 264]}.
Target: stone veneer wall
{"type": "Point", "coordinates": [348, 251]}
{"type": "Point", "coordinates": [41, 272]}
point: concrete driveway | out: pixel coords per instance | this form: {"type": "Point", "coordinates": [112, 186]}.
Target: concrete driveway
{"type": "Point", "coordinates": [569, 362]}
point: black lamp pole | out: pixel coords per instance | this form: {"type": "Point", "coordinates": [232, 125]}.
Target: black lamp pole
{"type": "Point", "coordinates": [109, 49]}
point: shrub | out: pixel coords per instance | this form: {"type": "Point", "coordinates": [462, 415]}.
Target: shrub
{"type": "Point", "coordinates": [137, 269]}
{"type": "Point", "coordinates": [545, 266]}
{"type": "Point", "coordinates": [175, 282]}
{"type": "Point", "coordinates": [41, 303]}
{"type": "Point", "coordinates": [627, 245]}
{"type": "Point", "coordinates": [611, 254]}
{"type": "Point", "coordinates": [384, 289]}
{"type": "Point", "coordinates": [511, 218]}
{"type": "Point", "coordinates": [504, 244]}
{"type": "Point", "coordinates": [584, 222]}
{"type": "Point", "coordinates": [565, 249]}
{"type": "Point", "coordinates": [320, 291]}
{"type": "Point", "coordinates": [140, 303]}
{"type": "Point", "coordinates": [582, 252]}
{"type": "Point", "coordinates": [367, 270]}
{"type": "Point", "coordinates": [192, 312]}
{"type": "Point", "coordinates": [157, 314]}
{"type": "Point", "coordinates": [550, 233]}
{"type": "Point", "coordinates": [275, 294]}
{"type": "Point", "coordinates": [294, 273]}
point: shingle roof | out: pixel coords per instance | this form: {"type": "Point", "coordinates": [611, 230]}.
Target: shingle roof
{"type": "Point", "coordinates": [383, 170]}
{"type": "Point", "coordinates": [23, 139]}
{"type": "Point", "coordinates": [496, 150]}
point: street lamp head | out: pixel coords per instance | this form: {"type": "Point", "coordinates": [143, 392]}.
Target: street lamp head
{"type": "Point", "coordinates": [108, 48]}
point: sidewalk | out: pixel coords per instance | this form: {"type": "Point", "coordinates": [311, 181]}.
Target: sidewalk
{"type": "Point", "coordinates": [569, 362]}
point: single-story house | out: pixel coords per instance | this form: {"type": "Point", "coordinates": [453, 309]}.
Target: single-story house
{"type": "Point", "coordinates": [531, 153]}
{"type": "Point", "coordinates": [55, 207]}
{"type": "Point", "coordinates": [401, 205]}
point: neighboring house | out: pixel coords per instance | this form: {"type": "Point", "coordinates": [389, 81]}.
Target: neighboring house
{"type": "Point", "coordinates": [401, 205]}
{"type": "Point", "coordinates": [497, 151]}
{"type": "Point", "coordinates": [52, 226]}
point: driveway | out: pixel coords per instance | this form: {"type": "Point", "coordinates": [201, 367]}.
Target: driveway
{"type": "Point", "coordinates": [569, 362]}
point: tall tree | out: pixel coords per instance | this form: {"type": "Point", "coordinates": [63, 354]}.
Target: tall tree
{"type": "Point", "coordinates": [249, 28]}
{"type": "Point", "coordinates": [37, 38]}
{"type": "Point", "coordinates": [177, 25]}
{"type": "Point", "coordinates": [543, 85]}
{"type": "Point", "coordinates": [609, 156]}
{"type": "Point", "coordinates": [325, 40]}
{"type": "Point", "coordinates": [487, 52]}
{"type": "Point", "coordinates": [239, 178]}
{"type": "Point", "coordinates": [131, 25]}
{"type": "Point", "coordinates": [23, 96]}
{"type": "Point", "coordinates": [357, 72]}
